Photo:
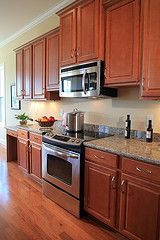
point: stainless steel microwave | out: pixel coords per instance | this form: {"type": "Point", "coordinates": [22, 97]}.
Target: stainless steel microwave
{"type": "Point", "coordinates": [84, 80]}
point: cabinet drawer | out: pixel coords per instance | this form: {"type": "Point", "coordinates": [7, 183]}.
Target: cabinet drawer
{"type": "Point", "coordinates": [12, 133]}
{"type": "Point", "coordinates": [103, 158]}
{"type": "Point", "coordinates": [141, 169]}
{"type": "Point", "coordinates": [37, 138]}
{"type": "Point", "coordinates": [22, 134]}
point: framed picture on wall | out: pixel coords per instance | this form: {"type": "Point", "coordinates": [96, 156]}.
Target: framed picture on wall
{"type": "Point", "coordinates": [15, 103]}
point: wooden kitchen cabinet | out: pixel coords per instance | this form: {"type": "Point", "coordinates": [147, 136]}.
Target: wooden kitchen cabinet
{"type": "Point", "coordinates": [139, 200]}
{"type": "Point", "coordinates": [52, 61]}
{"type": "Point", "coordinates": [151, 49]}
{"type": "Point", "coordinates": [139, 209]}
{"type": "Point", "coordinates": [19, 74]}
{"type": "Point", "coordinates": [27, 72]}
{"type": "Point", "coordinates": [122, 57]}
{"type": "Point", "coordinates": [39, 81]}
{"type": "Point", "coordinates": [35, 149]}
{"type": "Point", "coordinates": [100, 187]}
{"type": "Point", "coordinates": [81, 33]}
{"type": "Point", "coordinates": [22, 146]}
{"type": "Point", "coordinates": [68, 38]}
{"type": "Point", "coordinates": [24, 72]}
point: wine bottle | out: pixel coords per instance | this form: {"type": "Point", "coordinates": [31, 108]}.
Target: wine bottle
{"type": "Point", "coordinates": [128, 127]}
{"type": "Point", "coordinates": [149, 132]}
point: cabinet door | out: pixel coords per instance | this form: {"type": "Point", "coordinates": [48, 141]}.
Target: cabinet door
{"type": "Point", "coordinates": [39, 69]}
{"type": "Point", "coordinates": [19, 73]}
{"type": "Point", "coordinates": [122, 43]}
{"type": "Point", "coordinates": [100, 192]}
{"type": "Point", "coordinates": [68, 38]}
{"type": "Point", "coordinates": [52, 61]}
{"type": "Point", "coordinates": [151, 49]}
{"type": "Point", "coordinates": [36, 161]}
{"type": "Point", "coordinates": [23, 153]}
{"type": "Point", "coordinates": [139, 209]}
{"type": "Point", "coordinates": [88, 16]}
{"type": "Point", "coordinates": [27, 72]}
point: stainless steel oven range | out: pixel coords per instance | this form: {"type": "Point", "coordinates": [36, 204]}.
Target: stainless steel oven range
{"type": "Point", "coordinates": [63, 170]}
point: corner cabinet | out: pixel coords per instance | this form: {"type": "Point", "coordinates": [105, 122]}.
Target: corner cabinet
{"type": "Point", "coordinates": [122, 57]}
{"type": "Point", "coordinates": [151, 49]}
{"type": "Point", "coordinates": [81, 33]}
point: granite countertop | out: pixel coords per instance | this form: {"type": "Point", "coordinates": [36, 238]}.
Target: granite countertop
{"type": "Point", "coordinates": [132, 148]}
{"type": "Point", "coordinates": [35, 128]}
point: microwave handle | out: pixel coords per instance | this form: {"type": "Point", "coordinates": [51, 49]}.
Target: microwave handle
{"type": "Point", "coordinates": [83, 81]}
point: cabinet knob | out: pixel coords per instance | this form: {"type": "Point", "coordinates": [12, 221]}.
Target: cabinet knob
{"type": "Point", "coordinates": [72, 53]}
{"type": "Point", "coordinates": [113, 182]}
{"type": "Point", "coordinates": [77, 54]}
{"type": "Point", "coordinates": [123, 186]}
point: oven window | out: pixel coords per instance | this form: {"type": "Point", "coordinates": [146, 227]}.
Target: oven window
{"type": "Point", "coordinates": [72, 83]}
{"type": "Point", "coordinates": [59, 168]}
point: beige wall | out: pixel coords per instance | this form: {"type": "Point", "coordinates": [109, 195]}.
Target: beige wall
{"type": "Point", "coordinates": [103, 111]}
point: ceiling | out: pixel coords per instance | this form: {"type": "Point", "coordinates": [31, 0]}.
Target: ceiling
{"type": "Point", "coordinates": [16, 16]}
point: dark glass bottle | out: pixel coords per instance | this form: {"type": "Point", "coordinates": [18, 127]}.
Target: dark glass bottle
{"type": "Point", "coordinates": [149, 132]}
{"type": "Point", "coordinates": [128, 127]}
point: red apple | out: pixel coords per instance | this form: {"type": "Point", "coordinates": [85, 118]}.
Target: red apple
{"type": "Point", "coordinates": [51, 119]}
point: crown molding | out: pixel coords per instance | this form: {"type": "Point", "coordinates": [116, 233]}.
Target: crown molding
{"type": "Point", "coordinates": [37, 20]}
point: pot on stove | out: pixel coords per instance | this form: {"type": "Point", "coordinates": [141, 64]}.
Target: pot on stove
{"type": "Point", "coordinates": [75, 121]}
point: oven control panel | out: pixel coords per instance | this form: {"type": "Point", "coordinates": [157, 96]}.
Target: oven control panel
{"type": "Point", "coordinates": [63, 139]}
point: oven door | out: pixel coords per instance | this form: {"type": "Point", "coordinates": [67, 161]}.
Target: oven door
{"type": "Point", "coordinates": [62, 168]}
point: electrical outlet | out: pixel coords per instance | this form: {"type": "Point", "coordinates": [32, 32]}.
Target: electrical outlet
{"type": "Point", "coordinates": [61, 112]}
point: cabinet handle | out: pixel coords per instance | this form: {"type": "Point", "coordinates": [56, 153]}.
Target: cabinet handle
{"type": "Point", "coordinates": [36, 138]}
{"type": "Point", "coordinates": [113, 182]}
{"type": "Point", "coordinates": [72, 53]}
{"type": "Point", "coordinates": [77, 54]}
{"type": "Point", "coordinates": [105, 70]}
{"type": "Point", "coordinates": [29, 148]}
{"type": "Point", "coordinates": [143, 79]}
{"type": "Point", "coordinates": [143, 170]}
{"type": "Point", "coordinates": [43, 90]}
{"type": "Point", "coordinates": [123, 188]}
{"type": "Point", "coordinates": [99, 157]}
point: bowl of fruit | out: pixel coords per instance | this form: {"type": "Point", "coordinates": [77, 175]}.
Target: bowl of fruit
{"type": "Point", "coordinates": [46, 121]}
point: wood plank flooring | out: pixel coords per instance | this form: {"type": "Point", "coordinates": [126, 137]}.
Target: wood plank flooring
{"type": "Point", "coordinates": [26, 214]}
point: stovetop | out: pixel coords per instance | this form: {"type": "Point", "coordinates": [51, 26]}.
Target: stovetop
{"type": "Point", "coordinates": [71, 138]}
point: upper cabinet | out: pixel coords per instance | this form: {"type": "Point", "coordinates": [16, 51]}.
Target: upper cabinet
{"type": "Point", "coordinates": [37, 68]}
{"type": "Point", "coordinates": [81, 33]}
{"type": "Point", "coordinates": [27, 72]}
{"type": "Point", "coordinates": [68, 38]}
{"type": "Point", "coordinates": [122, 43]}
{"type": "Point", "coordinates": [151, 49]}
{"type": "Point", "coordinates": [52, 61]}
{"type": "Point", "coordinates": [19, 73]}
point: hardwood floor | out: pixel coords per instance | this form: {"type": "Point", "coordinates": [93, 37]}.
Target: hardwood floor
{"type": "Point", "coordinates": [26, 214]}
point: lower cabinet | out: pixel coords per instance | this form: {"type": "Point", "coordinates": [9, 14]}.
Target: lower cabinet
{"type": "Point", "coordinates": [125, 196]}
{"type": "Point", "coordinates": [30, 153]}
{"type": "Point", "coordinates": [139, 209]}
{"type": "Point", "coordinates": [100, 192]}
{"type": "Point", "coordinates": [35, 150]}
{"type": "Point", "coordinates": [22, 147]}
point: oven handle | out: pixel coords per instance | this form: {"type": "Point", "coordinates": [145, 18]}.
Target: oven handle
{"type": "Point", "coordinates": [62, 155]}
